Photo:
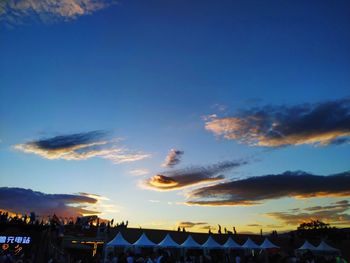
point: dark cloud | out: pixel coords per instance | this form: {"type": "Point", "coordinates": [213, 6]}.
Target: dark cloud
{"type": "Point", "coordinates": [173, 158]}
{"type": "Point", "coordinates": [190, 176]}
{"type": "Point", "coordinates": [253, 225]}
{"type": "Point", "coordinates": [335, 213]}
{"type": "Point", "coordinates": [253, 190]}
{"type": "Point", "coordinates": [189, 224]}
{"type": "Point", "coordinates": [81, 146]}
{"type": "Point", "coordinates": [15, 12]}
{"type": "Point", "coordinates": [19, 200]}
{"type": "Point", "coordinates": [318, 124]}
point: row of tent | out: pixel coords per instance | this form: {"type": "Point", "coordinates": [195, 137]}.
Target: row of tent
{"type": "Point", "coordinates": [189, 243]}
{"type": "Point", "coordinates": [323, 246]}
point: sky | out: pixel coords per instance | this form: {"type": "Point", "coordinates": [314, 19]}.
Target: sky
{"type": "Point", "coordinates": [177, 113]}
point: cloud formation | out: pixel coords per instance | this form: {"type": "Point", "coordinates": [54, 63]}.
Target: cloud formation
{"type": "Point", "coordinates": [335, 214]}
{"type": "Point", "coordinates": [139, 172]}
{"type": "Point", "coordinates": [188, 224]}
{"type": "Point", "coordinates": [81, 146]}
{"type": "Point", "coordinates": [254, 190]}
{"type": "Point", "coordinates": [18, 11]}
{"type": "Point", "coordinates": [317, 124]}
{"type": "Point", "coordinates": [181, 178]}
{"type": "Point", "coordinates": [173, 158]}
{"type": "Point", "coordinates": [20, 200]}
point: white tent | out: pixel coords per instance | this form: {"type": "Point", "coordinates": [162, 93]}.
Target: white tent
{"type": "Point", "coordinates": [230, 243]}
{"type": "Point", "coordinates": [249, 244]}
{"type": "Point", "coordinates": [268, 244]}
{"type": "Point", "coordinates": [212, 244]}
{"type": "Point", "coordinates": [307, 246]}
{"type": "Point", "coordinates": [168, 242]}
{"type": "Point", "coordinates": [118, 241]}
{"type": "Point", "coordinates": [190, 243]}
{"type": "Point", "coordinates": [143, 241]}
{"type": "Point", "coordinates": [323, 246]}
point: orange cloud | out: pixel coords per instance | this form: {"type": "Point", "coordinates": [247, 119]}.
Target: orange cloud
{"type": "Point", "coordinates": [335, 213]}
{"type": "Point", "coordinates": [177, 179]}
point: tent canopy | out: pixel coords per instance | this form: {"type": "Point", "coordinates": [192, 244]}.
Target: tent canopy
{"type": "Point", "coordinates": [268, 244]}
{"type": "Point", "coordinates": [230, 243]}
{"type": "Point", "coordinates": [212, 244]}
{"type": "Point", "coordinates": [143, 241]}
{"type": "Point", "coordinates": [307, 246]}
{"type": "Point", "coordinates": [190, 243]}
{"type": "Point", "coordinates": [168, 242]}
{"type": "Point", "coordinates": [249, 244]}
{"type": "Point", "coordinates": [118, 241]}
{"type": "Point", "coordinates": [323, 246]}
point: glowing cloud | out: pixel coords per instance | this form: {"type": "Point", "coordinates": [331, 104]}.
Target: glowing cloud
{"type": "Point", "coordinates": [81, 146]}
{"type": "Point", "coordinates": [19, 200]}
{"type": "Point", "coordinates": [335, 213]}
{"type": "Point", "coordinates": [177, 179]}
{"type": "Point", "coordinates": [317, 124]}
{"type": "Point", "coordinates": [253, 190]}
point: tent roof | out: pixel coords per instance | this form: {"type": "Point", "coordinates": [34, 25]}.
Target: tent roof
{"type": "Point", "coordinates": [211, 243]}
{"type": "Point", "coordinates": [250, 244]}
{"type": "Point", "coordinates": [143, 241]}
{"type": "Point", "coordinates": [323, 246]}
{"type": "Point", "coordinates": [168, 242]}
{"type": "Point", "coordinates": [190, 243]}
{"type": "Point", "coordinates": [307, 246]}
{"type": "Point", "coordinates": [230, 243]}
{"type": "Point", "coordinates": [118, 241]}
{"type": "Point", "coordinates": [268, 244]}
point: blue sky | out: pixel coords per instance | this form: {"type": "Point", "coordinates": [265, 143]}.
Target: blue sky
{"type": "Point", "coordinates": [158, 75]}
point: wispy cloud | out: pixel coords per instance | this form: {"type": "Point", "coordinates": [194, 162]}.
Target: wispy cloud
{"type": "Point", "coordinates": [173, 158]}
{"type": "Point", "coordinates": [335, 213]}
{"type": "Point", "coordinates": [181, 178]}
{"type": "Point", "coordinates": [19, 11]}
{"type": "Point", "coordinates": [19, 200]}
{"type": "Point", "coordinates": [254, 190]}
{"type": "Point", "coordinates": [317, 124]}
{"type": "Point", "coordinates": [139, 172]}
{"type": "Point", "coordinates": [253, 225]}
{"type": "Point", "coordinates": [189, 224]}
{"type": "Point", "coordinates": [81, 146]}
{"type": "Point", "coordinates": [153, 201]}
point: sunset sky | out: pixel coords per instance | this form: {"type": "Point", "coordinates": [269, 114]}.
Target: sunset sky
{"type": "Point", "coordinates": [168, 113]}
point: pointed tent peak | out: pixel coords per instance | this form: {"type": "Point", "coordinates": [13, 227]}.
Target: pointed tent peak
{"type": "Point", "coordinates": [190, 243]}
{"type": "Point", "coordinates": [323, 246]}
{"type": "Point", "coordinates": [307, 246]}
{"type": "Point", "coordinates": [230, 243]}
{"type": "Point", "coordinates": [118, 241]}
{"type": "Point", "coordinates": [143, 241]}
{"type": "Point", "coordinates": [249, 244]}
{"type": "Point", "coordinates": [168, 242]}
{"type": "Point", "coordinates": [268, 244]}
{"type": "Point", "coordinates": [211, 243]}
